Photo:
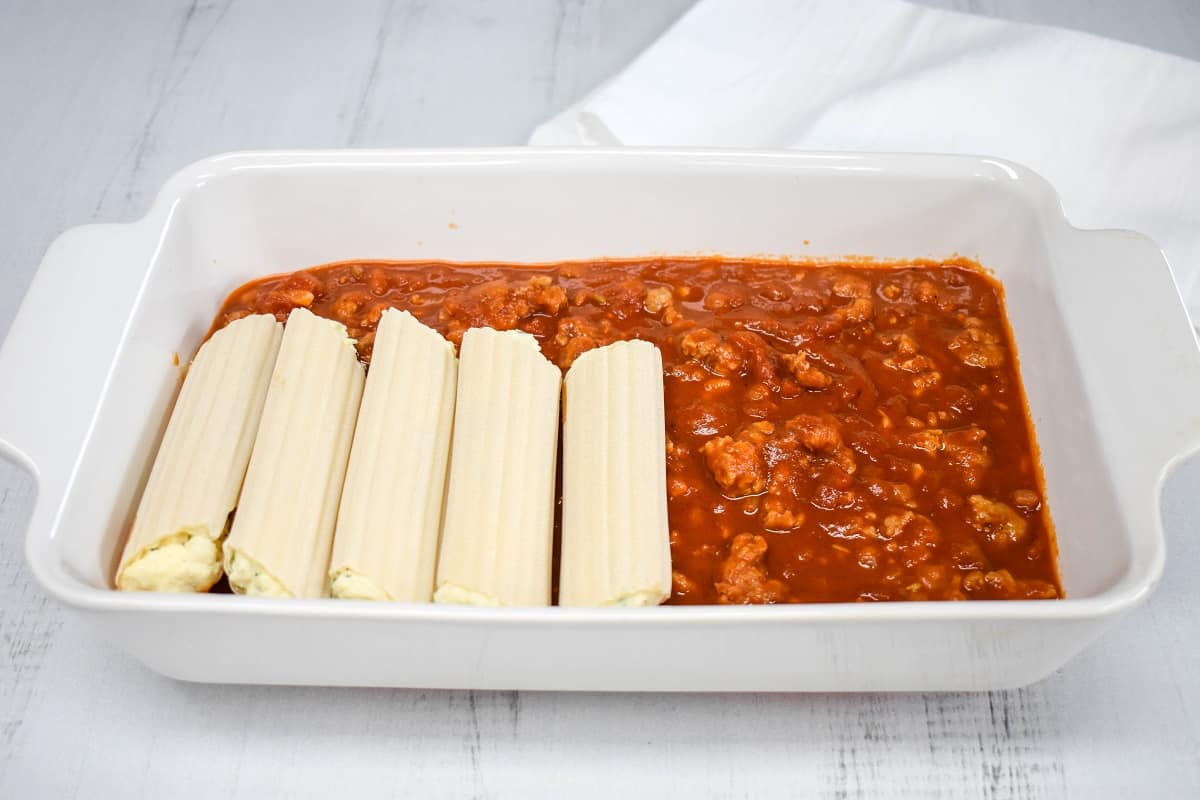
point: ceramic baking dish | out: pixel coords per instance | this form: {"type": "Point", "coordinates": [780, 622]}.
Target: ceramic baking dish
{"type": "Point", "coordinates": [1109, 362]}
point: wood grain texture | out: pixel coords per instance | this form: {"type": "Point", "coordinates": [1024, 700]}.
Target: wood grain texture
{"type": "Point", "coordinates": [102, 102]}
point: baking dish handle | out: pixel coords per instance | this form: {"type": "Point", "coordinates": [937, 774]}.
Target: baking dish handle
{"type": "Point", "coordinates": [1142, 359]}
{"type": "Point", "coordinates": [58, 355]}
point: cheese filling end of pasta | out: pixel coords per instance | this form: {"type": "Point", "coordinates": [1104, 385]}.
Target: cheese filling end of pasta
{"type": "Point", "coordinates": [645, 597]}
{"type": "Point", "coordinates": [453, 594]}
{"type": "Point", "coordinates": [184, 561]}
{"type": "Point", "coordinates": [348, 584]}
{"type": "Point", "coordinates": [248, 577]}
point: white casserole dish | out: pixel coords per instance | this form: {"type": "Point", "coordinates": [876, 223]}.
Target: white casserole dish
{"type": "Point", "coordinates": [1109, 362]}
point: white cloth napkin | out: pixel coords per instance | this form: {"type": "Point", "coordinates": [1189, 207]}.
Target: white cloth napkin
{"type": "Point", "coordinates": [1114, 127]}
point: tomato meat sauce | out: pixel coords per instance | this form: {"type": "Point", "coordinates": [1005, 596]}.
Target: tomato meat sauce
{"type": "Point", "coordinates": [835, 432]}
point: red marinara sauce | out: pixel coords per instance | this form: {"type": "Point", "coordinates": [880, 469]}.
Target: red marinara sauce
{"type": "Point", "coordinates": [835, 432]}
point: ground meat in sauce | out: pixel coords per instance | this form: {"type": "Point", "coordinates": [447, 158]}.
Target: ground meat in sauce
{"type": "Point", "coordinates": [743, 575]}
{"type": "Point", "coordinates": [834, 433]}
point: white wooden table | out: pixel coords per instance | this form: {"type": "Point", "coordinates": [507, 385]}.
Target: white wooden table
{"type": "Point", "coordinates": [100, 103]}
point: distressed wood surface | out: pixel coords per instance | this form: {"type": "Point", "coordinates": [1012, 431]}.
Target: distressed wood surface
{"type": "Point", "coordinates": [101, 102]}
